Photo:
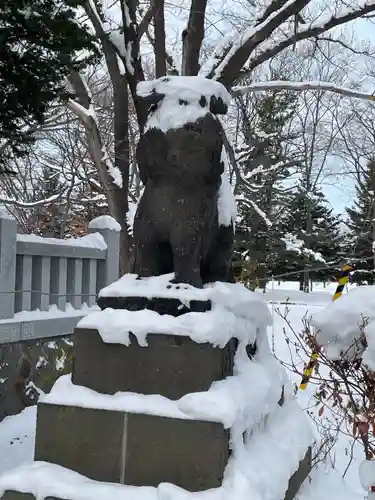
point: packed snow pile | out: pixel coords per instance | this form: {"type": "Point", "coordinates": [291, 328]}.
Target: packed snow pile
{"type": "Point", "coordinates": [367, 474]}
{"type": "Point", "coordinates": [105, 222]}
{"type": "Point", "coordinates": [346, 327]}
{"type": "Point", "coordinates": [193, 93]}
{"type": "Point", "coordinates": [49, 480]}
{"type": "Point", "coordinates": [236, 312]}
{"type": "Point", "coordinates": [17, 439]}
{"type": "Point", "coordinates": [326, 483]}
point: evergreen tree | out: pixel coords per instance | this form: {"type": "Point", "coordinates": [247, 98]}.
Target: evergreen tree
{"type": "Point", "coordinates": [312, 248]}
{"type": "Point", "coordinates": [361, 224]}
{"type": "Point", "coordinates": [264, 165]}
{"type": "Point", "coordinates": [41, 42]}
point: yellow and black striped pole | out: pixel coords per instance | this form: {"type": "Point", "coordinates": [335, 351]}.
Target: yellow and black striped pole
{"type": "Point", "coordinates": [308, 370]}
{"type": "Point", "coordinates": [343, 280]}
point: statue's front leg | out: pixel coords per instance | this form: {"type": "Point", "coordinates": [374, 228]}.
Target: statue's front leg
{"type": "Point", "coordinates": [186, 249]}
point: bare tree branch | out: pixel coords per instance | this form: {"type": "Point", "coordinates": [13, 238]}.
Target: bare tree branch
{"type": "Point", "coordinates": [227, 67]}
{"type": "Point", "coordinates": [33, 204]}
{"type": "Point", "coordinates": [345, 46]}
{"type": "Point", "coordinates": [145, 23]}
{"type": "Point", "coordinates": [134, 70]}
{"type": "Point", "coordinates": [273, 7]}
{"type": "Point", "coordinates": [309, 31]}
{"type": "Point", "coordinates": [240, 50]}
{"type": "Point", "coordinates": [299, 87]}
{"type": "Point", "coordinates": [169, 59]}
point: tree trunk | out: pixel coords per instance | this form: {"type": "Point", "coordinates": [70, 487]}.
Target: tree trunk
{"type": "Point", "coordinates": [192, 38]}
{"type": "Point", "coordinates": [117, 196]}
{"type": "Point", "coordinates": [159, 29]}
{"type": "Point", "coordinates": [306, 278]}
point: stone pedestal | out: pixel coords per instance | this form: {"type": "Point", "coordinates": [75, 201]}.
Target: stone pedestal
{"type": "Point", "coordinates": [170, 365]}
{"type": "Point", "coordinates": [127, 448]}
{"type": "Point", "coordinates": [171, 306]}
{"type": "Point", "coordinates": [132, 449]}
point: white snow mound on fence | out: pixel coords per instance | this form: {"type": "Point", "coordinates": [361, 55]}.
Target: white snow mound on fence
{"type": "Point", "coordinates": [105, 222]}
{"type": "Point", "coordinates": [94, 240]}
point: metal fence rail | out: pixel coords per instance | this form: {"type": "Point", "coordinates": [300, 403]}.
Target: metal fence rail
{"type": "Point", "coordinates": [35, 275]}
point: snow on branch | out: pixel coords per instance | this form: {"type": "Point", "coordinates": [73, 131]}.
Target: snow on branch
{"type": "Point", "coordinates": [225, 66]}
{"type": "Point", "coordinates": [299, 87]}
{"type": "Point", "coordinates": [60, 198]}
{"type": "Point", "coordinates": [83, 113]}
{"type": "Point", "coordinates": [32, 204]}
{"type": "Point", "coordinates": [294, 244]}
{"type": "Point", "coordinates": [261, 169]}
{"type": "Point", "coordinates": [117, 38]}
{"type": "Point", "coordinates": [86, 113]}
{"type": "Point", "coordinates": [229, 58]}
{"type": "Point", "coordinates": [349, 12]}
{"type": "Point", "coordinates": [241, 199]}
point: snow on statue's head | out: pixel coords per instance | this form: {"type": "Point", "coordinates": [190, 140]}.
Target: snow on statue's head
{"type": "Point", "coordinates": [174, 91]}
{"type": "Point", "coordinates": [179, 156]}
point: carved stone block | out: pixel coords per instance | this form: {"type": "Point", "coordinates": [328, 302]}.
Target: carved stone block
{"type": "Point", "coordinates": [170, 365]}
{"type": "Point", "coordinates": [133, 449]}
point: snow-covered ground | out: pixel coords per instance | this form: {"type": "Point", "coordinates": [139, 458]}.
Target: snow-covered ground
{"type": "Point", "coordinates": [17, 433]}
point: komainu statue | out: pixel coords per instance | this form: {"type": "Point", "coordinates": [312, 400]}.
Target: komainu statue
{"type": "Point", "coordinates": [177, 227]}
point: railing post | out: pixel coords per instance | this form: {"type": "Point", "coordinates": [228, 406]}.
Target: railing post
{"type": "Point", "coordinates": [111, 235]}
{"type": "Point", "coordinates": [8, 236]}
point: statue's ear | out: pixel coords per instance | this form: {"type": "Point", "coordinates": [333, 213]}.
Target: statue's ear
{"type": "Point", "coordinates": [218, 106]}
{"type": "Point", "coordinates": [151, 100]}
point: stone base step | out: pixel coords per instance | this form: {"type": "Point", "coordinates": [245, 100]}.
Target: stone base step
{"type": "Point", "coordinates": [130, 448]}
{"type": "Point", "coordinates": [171, 365]}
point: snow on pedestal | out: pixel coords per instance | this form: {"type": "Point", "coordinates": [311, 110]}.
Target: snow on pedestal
{"type": "Point", "coordinates": [236, 312]}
